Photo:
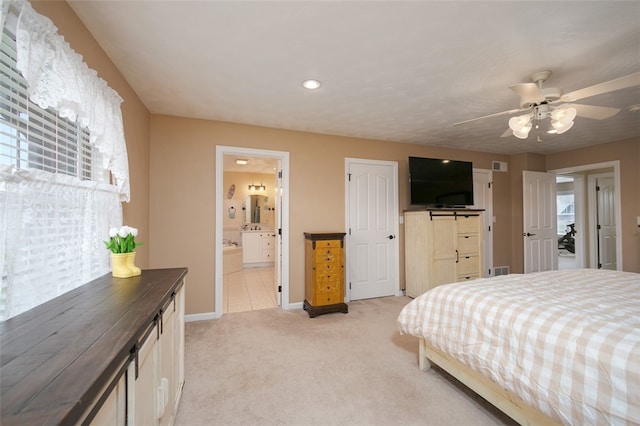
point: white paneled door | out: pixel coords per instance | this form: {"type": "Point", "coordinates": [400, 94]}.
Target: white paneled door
{"type": "Point", "coordinates": [539, 221]}
{"type": "Point", "coordinates": [372, 228]}
{"type": "Point", "coordinates": [483, 200]}
{"type": "Point", "coordinates": [606, 219]}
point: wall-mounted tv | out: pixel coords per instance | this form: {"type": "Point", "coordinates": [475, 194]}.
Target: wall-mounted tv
{"type": "Point", "coordinates": [440, 183]}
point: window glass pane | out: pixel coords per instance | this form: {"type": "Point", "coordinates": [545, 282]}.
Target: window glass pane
{"type": "Point", "coordinates": [33, 138]}
{"type": "Point", "coordinates": [566, 212]}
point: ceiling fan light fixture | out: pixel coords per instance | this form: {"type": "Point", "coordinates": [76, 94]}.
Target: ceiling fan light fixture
{"type": "Point", "coordinates": [564, 115]}
{"type": "Point", "coordinates": [523, 132]}
{"type": "Point", "coordinates": [518, 123]}
{"type": "Point", "coordinates": [560, 127]}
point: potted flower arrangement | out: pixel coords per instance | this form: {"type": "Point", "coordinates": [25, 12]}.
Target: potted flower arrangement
{"type": "Point", "coordinates": [122, 245]}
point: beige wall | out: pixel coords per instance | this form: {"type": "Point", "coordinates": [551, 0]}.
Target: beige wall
{"type": "Point", "coordinates": [134, 114]}
{"type": "Point", "coordinates": [183, 199]}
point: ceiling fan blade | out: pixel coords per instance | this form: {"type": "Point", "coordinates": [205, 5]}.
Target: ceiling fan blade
{"type": "Point", "coordinates": [497, 114]}
{"type": "Point", "coordinates": [592, 111]}
{"type": "Point", "coordinates": [507, 133]}
{"type": "Point", "coordinates": [606, 87]}
{"type": "Point", "coordinates": [530, 92]}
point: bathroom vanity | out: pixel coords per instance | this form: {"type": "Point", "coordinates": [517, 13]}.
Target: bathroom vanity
{"type": "Point", "coordinates": [258, 248]}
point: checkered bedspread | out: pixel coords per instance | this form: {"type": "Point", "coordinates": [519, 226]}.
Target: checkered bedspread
{"type": "Point", "coordinates": [566, 342]}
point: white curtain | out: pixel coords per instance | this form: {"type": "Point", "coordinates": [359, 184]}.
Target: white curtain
{"type": "Point", "coordinates": [52, 226]}
{"type": "Point", "coordinates": [51, 239]}
{"type": "Point", "coordinates": [58, 78]}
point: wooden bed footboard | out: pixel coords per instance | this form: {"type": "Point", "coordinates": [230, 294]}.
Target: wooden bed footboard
{"type": "Point", "coordinates": [510, 404]}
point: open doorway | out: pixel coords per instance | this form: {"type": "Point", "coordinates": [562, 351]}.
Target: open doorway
{"type": "Point", "coordinates": [251, 229]}
{"type": "Point", "coordinates": [570, 225]}
{"type": "Point", "coordinates": [588, 200]}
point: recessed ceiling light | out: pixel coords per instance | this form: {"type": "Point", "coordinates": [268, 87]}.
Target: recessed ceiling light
{"type": "Point", "coordinates": [311, 84]}
{"type": "Point", "coordinates": [242, 162]}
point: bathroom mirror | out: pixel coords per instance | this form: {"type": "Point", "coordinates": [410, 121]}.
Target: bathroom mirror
{"type": "Point", "coordinates": [257, 208]}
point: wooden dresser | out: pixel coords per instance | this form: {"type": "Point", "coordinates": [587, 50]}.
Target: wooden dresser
{"type": "Point", "coordinates": [324, 273]}
{"type": "Point", "coordinates": [110, 352]}
{"type": "Point", "coordinates": [441, 246]}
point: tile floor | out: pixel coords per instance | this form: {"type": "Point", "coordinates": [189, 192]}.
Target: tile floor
{"type": "Point", "coordinates": [249, 289]}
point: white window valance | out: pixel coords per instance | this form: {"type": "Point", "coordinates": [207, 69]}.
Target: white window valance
{"type": "Point", "coordinates": [58, 78]}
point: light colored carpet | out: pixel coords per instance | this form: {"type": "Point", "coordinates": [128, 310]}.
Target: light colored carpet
{"type": "Point", "coordinates": [277, 367]}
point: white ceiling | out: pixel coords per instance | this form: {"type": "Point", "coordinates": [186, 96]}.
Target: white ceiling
{"type": "Point", "coordinates": [390, 70]}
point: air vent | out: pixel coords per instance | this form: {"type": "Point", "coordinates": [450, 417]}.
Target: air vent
{"type": "Point", "coordinates": [499, 166]}
{"type": "Point", "coordinates": [501, 270]}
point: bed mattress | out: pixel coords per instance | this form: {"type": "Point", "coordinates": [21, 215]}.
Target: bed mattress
{"type": "Point", "coordinates": [566, 342]}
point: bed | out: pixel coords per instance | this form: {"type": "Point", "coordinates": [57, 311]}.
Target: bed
{"type": "Point", "coordinates": [550, 347]}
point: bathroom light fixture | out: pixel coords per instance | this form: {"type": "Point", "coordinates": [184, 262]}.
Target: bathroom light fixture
{"type": "Point", "coordinates": [260, 187]}
{"type": "Point", "coordinates": [241, 161]}
{"type": "Point", "coordinates": [311, 84]}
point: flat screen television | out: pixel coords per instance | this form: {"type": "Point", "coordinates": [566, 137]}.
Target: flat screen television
{"type": "Point", "coordinates": [438, 182]}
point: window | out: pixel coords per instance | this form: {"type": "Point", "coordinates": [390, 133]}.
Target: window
{"type": "Point", "coordinates": [33, 138]}
{"type": "Point", "coordinates": [566, 211]}
{"type": "Point", "coordinates": [61, 143]}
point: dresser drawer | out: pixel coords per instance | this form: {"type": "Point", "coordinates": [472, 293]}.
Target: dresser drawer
{"type": "Point", "coordinates": [468, 277]}
{"type": "Point", "coordinates": [328, 286]}
{"type": "Point", "coordinates": [468, 225]}
{"type": "Point", "coordinates": [328, 299]}
{"type": "Point", "coordinates": [328, 244]}
{"type": "Point", "coordinates": [327, 268]}
{"type": "Point", "coordinates": [468, 264]}
{"type": "Point", "coordinates": [328, 254]}
{"type": "Point", "coordinates": [468, 244]}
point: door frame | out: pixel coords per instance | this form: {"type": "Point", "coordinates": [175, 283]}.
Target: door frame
{"type": "Point", "coordinates": [283, 243]}
{"type": "Point", "coordinates": [396, 225]}
{"type": "Point", "coordinates": [487, 223]}
{"type": "Point", "coordinates": [615, 164]}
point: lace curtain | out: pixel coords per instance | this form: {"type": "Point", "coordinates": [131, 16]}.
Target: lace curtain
{"type": "Point", "coordinates": [52, 226]}
{"type": "Point", "coordinates": [51, 239]}
{"type": "Point", "coordinates": [58, 78]}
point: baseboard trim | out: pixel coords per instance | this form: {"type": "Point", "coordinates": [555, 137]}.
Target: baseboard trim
{"type": "Point", "coordinates": [214, 315]}
{"type": "Point", "coordinates": [201, 317]}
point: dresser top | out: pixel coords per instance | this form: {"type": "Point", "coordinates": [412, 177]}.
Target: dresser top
{"type": "Point", "coordinates": [56, 358]}
{"type": "Point", "coordinates": [316, 236]}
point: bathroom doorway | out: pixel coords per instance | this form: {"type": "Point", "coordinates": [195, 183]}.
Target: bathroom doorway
{"type": "Point", "coordinates": [251, 229]}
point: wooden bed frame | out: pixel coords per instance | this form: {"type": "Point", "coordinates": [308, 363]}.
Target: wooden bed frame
{"type": "Point", "coordinates": [510, 404]}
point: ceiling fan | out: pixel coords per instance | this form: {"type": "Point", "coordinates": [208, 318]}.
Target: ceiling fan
{"type": "Point", "coordinates": [539, 103]}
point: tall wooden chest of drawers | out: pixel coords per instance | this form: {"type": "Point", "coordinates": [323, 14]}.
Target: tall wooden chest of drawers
{"type": "Point", "coordinates": [324, 273]}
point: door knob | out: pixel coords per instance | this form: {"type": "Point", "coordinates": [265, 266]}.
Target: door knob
{"type": "Point", "coordinates": [391, 237]}
{"type": "Point", "coordinates": [528, 234]}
